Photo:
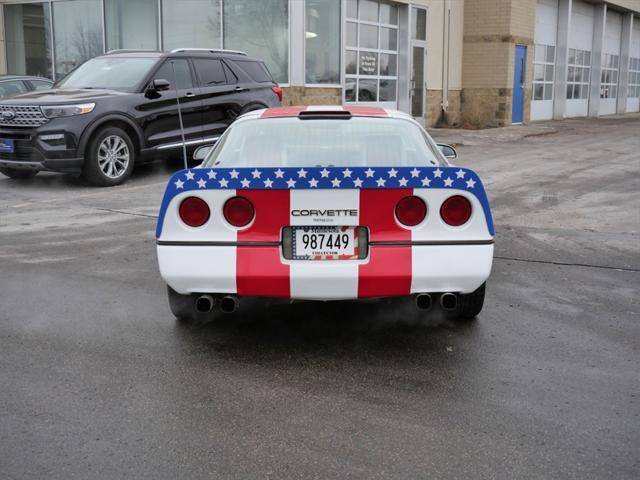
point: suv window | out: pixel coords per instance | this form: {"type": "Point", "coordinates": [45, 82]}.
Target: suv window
{"type": "Point", "coordinates": [41, 84]}
{"type": "Point", "coordinates": [231, 77]}
{"type": "Point", "coordinates": [12, 87]}
{"type": "Point", "coordinates": [182, 74]}
{"type": "Point", "coordinates": [256, 70]}
{"type": "Point", "coordinates": [209, 71]}
{"type": "Point", "coordinates": [115, 73]}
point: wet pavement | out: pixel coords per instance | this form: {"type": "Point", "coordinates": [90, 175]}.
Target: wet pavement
{"type": "Point", "coordinates": [97, 380]}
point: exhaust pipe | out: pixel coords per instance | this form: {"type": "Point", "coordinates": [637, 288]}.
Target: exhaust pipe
{"type": "Point", "coordinates": [204, 303]}
{"type": "Point", "coordinates": [229, 304]}
{"type": "Point", "coordinates": [448, 301]}
{"type": "Point", "coordinates": [424, 301]}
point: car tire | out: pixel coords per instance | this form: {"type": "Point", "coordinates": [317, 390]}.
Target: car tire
{"type": "Point", "coordinates": [470, 305]}
{"type": "Point", "coordinates": [18, 174]}
{"type": "Point", "coordinates": [182, 306]}
{"type": "Point", "coordinates": [109, 158]}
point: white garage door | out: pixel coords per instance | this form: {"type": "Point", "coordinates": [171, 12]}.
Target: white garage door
{"type": "Point", "coordinates": [544, 59]}
{"type": "Point", "coordinates": [610, 64]}
{"type": "Point", "coordinates": [579, 59]}
{"type": "Point", "coordinates": [633, 94]}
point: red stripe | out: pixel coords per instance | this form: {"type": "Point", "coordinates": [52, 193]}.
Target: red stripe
{"type": "Point", "coordinates": [367, 111]}
{"type": "Point", "coordinates": [260, 273]}
{"type": "Point", "coordinates": [276, 112]}
{"type": "Point", "coordinates": [259, 270]}
{"type": "Point", "coordinates": [388, 271]}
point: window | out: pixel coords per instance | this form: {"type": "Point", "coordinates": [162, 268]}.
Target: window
{"type": "Point", "coordinates": [361, 141]}
{"type": "Point", "coordinates": [182, 73]}
{"type": "Point", "coordinates": [256, 70]}
{"type": "Point", "coordinates": [131, 24]}
{"type": "Point", "coordinates": [634, 78]}
{"type": "Point", "coordinates": [322, 41]}
{"type": "Point", "coordinates": [579, 71]}
{"type": "Point", "coordinates": [543, 70]}
{"type": "Point", "coordinates": [262, 30]}
{"type": "Point", "coordinates": [11, 88]}
{"type": "Point", "coordinates": [41, 84]}
{"type": "Point", "coordinates": [123, 74]}
{"type": "Point", "coordinates": [191, 24]}
{"type": "Point", "coordinates": [609, 76]}
{"type": "Point", "coordinates": [210, 72]}
{"type": "Point", "coordinates": [77, 33]}
{"type": "Point", "coordinates": [371, 56]}
{"type": "Point", "coordinates": [28, 39]}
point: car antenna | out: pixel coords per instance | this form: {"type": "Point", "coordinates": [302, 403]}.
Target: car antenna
{"type": "Point", "coordinates": [184, 143]}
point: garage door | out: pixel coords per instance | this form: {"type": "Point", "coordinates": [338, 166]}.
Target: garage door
{"type": "Point", "coordinates": [579, 59]}
{"type": "Point", "coordinates": [610, 64]}
{"type": "Point", "coordinates": [544, 59]}
{"type": "Point", "coordinates": [633, 94]}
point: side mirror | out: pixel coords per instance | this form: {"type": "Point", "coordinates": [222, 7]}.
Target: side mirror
{"type": "Point", "coordinates": [160, 84]}
{"type": "Point", "coordinates": [448, 151]}
{"type": "Point", "coordinates": [202, 152]}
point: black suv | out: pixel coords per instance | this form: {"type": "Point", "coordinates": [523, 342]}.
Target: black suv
{"type": "Point", "coordinates": [120, 108]}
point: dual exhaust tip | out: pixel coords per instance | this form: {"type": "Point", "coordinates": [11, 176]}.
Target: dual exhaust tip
{"type": "Point", "coordinates": [230, 303]}
{"type": "Point", "coordinates": [448, 301]}
{"type": "Point", "coordinates": [227, 304]}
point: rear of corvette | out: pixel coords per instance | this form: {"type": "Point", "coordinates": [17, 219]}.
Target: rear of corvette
{"type": "Point", "coordinates": [325, 232]}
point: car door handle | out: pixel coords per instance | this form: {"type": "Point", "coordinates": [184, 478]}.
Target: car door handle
{"type": "Point", "coordinates": [240, 89]}
{"type": "Point", "coordinates": [189, 94]}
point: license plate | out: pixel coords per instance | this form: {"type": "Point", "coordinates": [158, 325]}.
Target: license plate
{"type": "Point", "coordinates": [6, 145]}
{"type": "Point", "coordinates": [325, 243]}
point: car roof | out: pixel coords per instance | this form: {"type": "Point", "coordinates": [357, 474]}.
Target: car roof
{"type": "Point", "coordinates": [182, 52]}
{"type": "Point", "coordinates": [23, 77]}
{"type": "Point", "coordinates": [327, 111]}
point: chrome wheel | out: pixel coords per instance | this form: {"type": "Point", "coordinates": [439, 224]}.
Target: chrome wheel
{"type": "Point", "coordinates": [113, 156]}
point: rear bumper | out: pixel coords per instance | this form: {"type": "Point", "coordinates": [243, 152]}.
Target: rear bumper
{"type": "Point", "coordinates": [388, 271]}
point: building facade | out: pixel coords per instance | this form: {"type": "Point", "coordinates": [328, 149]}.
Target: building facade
{"type": "Point", "coordinates": [447, 62]}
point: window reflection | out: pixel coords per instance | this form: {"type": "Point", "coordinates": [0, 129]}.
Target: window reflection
{"type": "Point", "coordinates": [322, 38]}
{"type": "Point", "coordinates": [131, 24]}
{"type": "Point", "coordinates": [77, 33]}
{"type": "Point", "coordinates": [191, 24]}
{"type": "Point", "coordinates": [28, 37]}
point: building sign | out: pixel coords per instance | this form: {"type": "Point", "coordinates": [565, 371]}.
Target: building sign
{"type": "Point", "coordinates": [368, 63]}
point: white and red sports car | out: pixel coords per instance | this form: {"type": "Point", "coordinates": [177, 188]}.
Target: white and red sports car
{"type": "Point", "coordinates": [325, 203]}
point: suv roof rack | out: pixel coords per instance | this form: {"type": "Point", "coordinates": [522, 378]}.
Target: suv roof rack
{"type": "Point", "coordinates": [210, 50]}
{"type": "Point", "coordinates": [130, 50]}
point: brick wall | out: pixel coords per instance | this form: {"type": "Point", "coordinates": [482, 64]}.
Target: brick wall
{"type": "Point", "coordinates": [311, 96]}
{"type": "Point", "coordinates": [492, 29]}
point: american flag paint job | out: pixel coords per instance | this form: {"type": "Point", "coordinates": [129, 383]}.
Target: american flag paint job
{"type": "Point", "coordinates": [259, 182]}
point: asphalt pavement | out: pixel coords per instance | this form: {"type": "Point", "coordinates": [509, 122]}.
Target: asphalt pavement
{"type": "Point", "coordinates": [97, 379]}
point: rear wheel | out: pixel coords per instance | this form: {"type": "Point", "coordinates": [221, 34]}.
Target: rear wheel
{"type": "Point", "coordinates": [470, 305]}
{"type": "Point", "coordinates": [109, 158]}
{"type": "Point", "coordinates": [19, 174]}
{"type": "Point", "coordinates": [182, 306]}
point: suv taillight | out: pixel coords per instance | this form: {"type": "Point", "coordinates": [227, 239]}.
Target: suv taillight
{"type": "Point", "coordinates": [456, 210]}
{"type": "Point", "coordinates": [278, 91]}
{"type": "Point", "coordinates": [194, 211]}
{"type": "Point", "coordinates": [238, 211]}
{"type": "Point", "coordinates": [411, 211]}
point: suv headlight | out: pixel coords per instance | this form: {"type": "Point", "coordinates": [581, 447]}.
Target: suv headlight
{"type": "Point", "coordinates": [67, 110]}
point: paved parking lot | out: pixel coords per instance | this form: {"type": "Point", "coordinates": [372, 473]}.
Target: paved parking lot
{"type": "Point", "coordinates": [97, 380]}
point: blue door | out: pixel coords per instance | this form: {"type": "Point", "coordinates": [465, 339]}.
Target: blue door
{"type": "Point", "coordinates": [518, 84]}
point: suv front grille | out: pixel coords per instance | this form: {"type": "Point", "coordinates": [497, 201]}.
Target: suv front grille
{"type": "Point", "coordinates": [17, 116]}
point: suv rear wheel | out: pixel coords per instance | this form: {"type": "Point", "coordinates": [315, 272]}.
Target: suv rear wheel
{"type": "Point", "coordinates": [20, 174]}
{"type": "Point", "coordinates": [109, 158]}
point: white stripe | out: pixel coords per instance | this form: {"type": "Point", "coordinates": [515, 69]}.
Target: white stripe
{"type": "Point", "coordinates": [324, 108]}
{"type": "Point", "coordinates": [324, 279]}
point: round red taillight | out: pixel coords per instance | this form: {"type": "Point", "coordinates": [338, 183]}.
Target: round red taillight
{"type": "Point", "coordinates": [194, 211]}
{"type": "Point", "coordinates": [238, 211]}
{"type": "Point", "coordinates": [410, 211]}
{"type": "Point", "coordinates": [456, 210]}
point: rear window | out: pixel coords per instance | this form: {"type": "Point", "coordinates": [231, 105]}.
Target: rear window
{"type": "Point", "coordinates": [291, 142]}
{"type": "Point", "coordinates": [256, 70]}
